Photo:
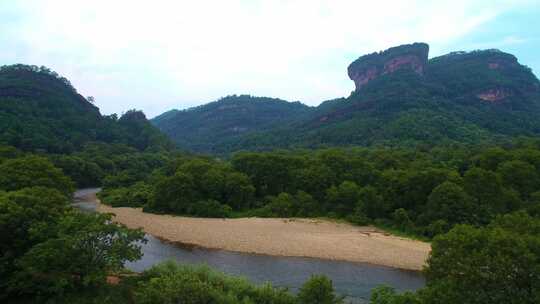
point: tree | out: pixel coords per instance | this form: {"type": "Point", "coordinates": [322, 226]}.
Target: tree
{"type": "Point", "coordinates": [373, 204]}
{"type": "Point", "coordinates": [486, 186]}
{"type": "Point", "coordinates": [343, 198]}
{"type": "Point", "coordinates": [33, 171]}
{"type": "Point", "coordinates": [318, 290]}
{"type": "Point", "coordinates": [83, 172]}
{"type": "Point", "coordinates": [210, 208]}
{"type": "Point", "coordinates": [402, 220]}
{"type": "Point", "coordinates": [85, 248]}
{"type": "Point", "coordinates": [307, 205]}
{"type": "Point", "coordinates": [388, 295]}
{"type": "Point", "coordinates": [314, 179]}
{"type": "Point", "coordinates": [27, 217]}
{"type": "Point", "coordinates": [496, 264]}
{"type": "Point", "coordinates": [491, 158]}
{"type": "Point", "coordinates": [449, 202]}
{"type": "Point", "coordinates": [170, 283]}
{"type": "Point", "coordinates": [521, 176]}
{"type": "Point", "coordinates": [283, 205]}
{"type": "Point", "coordinates": [174, 194]}
{"type": "Point", "coordinates": [239, 192]}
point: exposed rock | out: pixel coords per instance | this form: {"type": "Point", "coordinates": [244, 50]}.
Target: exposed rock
{"type": "Point", "coordinates": [368, 67]}
{"type": "Point", "coordinates": [493, 95]}
{"type": "Point", "coordinates": [493, 65]}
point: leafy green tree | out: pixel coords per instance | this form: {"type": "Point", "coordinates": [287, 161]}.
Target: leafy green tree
{"type": "Point", "coordinates": [137, 195]}
{"type": "Point", "coordinates": [314, 179]}
{"type": "Point", "coordinates": [388, 295]}
{"type": "Point", "coordinates": [124, 178]}
{"type": "Point", "coordinates": [85, 248]}
{"type": "Point", "coordinates": [307, 205]}
{"type": "Point", "coordinates": [27, 217]}
{"type": "Point", "coordinates": [33, 171]}
{"type": "Point", "coordinates": [402, 220]}
{"type": "Point", "coordinates": [270, 173]}
{"type": "Point", "coordinates": [210, 208]}
{"type": "Point", "coordinates": [171, 283]}
{"type": "Point", "coordinates": [496, 264]}
{"type": "Point", "coordinates": [283, 205]}
{"type": "Point", "coordinates": [486, 186]}
{"type": "Point", "coordinates": [449, 202]}
{"type": "Point", "coordinates": [521, 176]}
{"type": "Point", "coordinates": [238, 191]}
{"type": "Point", "coordinates": [83, 172]}
{"type": "Point", "coordinates": [318, 290]}
{"type": "Point", "coordinates": [410, 189]}
{"type": "Point", "coordinates": [373, 204]}
{"type": "Point", "coordinates": [7, 152]}
{"type": "Point", "coordinates": [343, 198]}
{"type": "Point", "coordinates": [491, 158]}
{"type": "Point", "coordinates": [533, 205]}
{"type": "Point", "coordinates": [174, 194]}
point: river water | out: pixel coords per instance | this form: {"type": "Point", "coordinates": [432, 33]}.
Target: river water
{"type": "Point", "coordinates": [354, 280]}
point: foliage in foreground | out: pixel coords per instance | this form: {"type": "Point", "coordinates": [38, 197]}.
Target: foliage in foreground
{"type": "Point", "coordinates": [47, 248]}
{"type": "Point", "coordinates": [498, 264]}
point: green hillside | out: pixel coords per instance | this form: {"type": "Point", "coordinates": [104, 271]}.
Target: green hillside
{"type": "Point", "coordinates": [463, 97]}
{"type": "Point", "coordinates": [42, 111]}
{"type": "Point", "coordinates": [210, 127]}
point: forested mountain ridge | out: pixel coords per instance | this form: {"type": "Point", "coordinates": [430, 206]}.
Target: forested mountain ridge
{"type": "Point", "coordinates": [42, 111]}
{"type": "Point", "coordinates": [401, 98]}
{"type": "Point", "coordinates": [209, 127]}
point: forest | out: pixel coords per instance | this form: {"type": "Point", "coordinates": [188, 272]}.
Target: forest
{"type": "Point", "coordinates": [422, 193]}
{"type": "Point", "coordinates": [482, 217]}
{"type": "Point", "coordinates": [41, 111]}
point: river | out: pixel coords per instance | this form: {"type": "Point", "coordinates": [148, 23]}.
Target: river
{"type": "Point", "coordinates": [354, 280]}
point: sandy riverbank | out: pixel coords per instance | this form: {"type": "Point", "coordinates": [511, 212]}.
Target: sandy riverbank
{"type": "Point", "coordinates": [281, 237]}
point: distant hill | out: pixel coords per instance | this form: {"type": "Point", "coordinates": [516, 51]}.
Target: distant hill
{"type": "Point", "coordinates": [401, 98]}
{"type": "Point", "coordinates": [42, 111]}
{"type": "Point", "coordinates": [209, 128]}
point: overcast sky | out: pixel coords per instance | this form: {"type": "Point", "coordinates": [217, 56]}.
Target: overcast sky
{"type": "Point", "coordinates": [159, 55]}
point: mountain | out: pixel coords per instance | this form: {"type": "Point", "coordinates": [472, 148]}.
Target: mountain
{"type": "Point", "coordinates": [42, 111]}
{"type": "Point", "coordinates": [401, 98]}
{"type": "Point", "coordinates": [211, 127]}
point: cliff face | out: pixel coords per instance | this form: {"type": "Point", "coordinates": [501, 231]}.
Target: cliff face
{"type": "Point", "coordinates": [410, 56]}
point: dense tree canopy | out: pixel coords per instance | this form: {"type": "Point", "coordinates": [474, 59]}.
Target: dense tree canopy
{"type": "Point", "coordinates": [42, 111]}
{"type": "Point", "coordinates": [33, 171]}
{"type": "Point", "coordinates": [47, 248]}
{"type": "Point", "coordinates": [422, 192]}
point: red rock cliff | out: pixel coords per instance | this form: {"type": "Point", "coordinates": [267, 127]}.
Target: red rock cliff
{"type": "Point", "coordinates": [368, 67]}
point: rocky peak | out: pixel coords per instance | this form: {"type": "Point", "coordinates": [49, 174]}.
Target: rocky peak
{"type": "Point", "coordinates": [368, 67]}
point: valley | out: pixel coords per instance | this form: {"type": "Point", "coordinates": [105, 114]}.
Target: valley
{"type": "Point", "coordinates": [443, 150]}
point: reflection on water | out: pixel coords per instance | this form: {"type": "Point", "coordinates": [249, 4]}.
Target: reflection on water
{"type": "Point", "coordinates": [354, 280]}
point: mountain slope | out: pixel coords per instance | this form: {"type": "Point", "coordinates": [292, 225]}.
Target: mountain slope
{"type": "Point", "coordinates": [209, 127]}
{"type": "Point", "coordinates": [402, 98]}
{"type": "Point", "coordinates": [39, 110]}
{"type": "Point", "coordinates": [463, 97]}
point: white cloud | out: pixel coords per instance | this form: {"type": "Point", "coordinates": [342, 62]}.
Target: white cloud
{"type": "Point", "coordinates": [156, 55]}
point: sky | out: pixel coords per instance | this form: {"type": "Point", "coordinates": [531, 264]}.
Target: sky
{"type": "Point", "coordinates": [160, 55]}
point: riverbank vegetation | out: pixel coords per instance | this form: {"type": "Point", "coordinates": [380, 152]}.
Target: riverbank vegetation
{"type": "Point", "coordinates": [480, 206]}
{"type": "Point", "coordinates": [422, 192]}
{"type": "Point", "coordinates": [51, 253]}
